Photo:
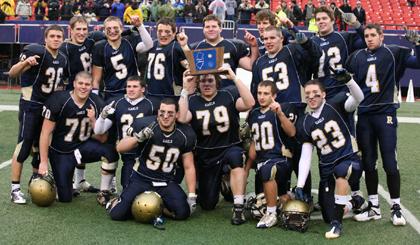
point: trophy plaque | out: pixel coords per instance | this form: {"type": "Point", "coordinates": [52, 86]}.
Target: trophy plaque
{"type": "Point", "coordinates": [205, 61]}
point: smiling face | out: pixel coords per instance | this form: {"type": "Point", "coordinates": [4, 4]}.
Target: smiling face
{"type": "Point", "coordinates": [273, 41]}
{"type": "Point", "coordinates": [79, 32]}
{"type": "Point", "coordinates": [314, 96]}
{"type": "Point", "coordinates": [165, 34]}
{"type": "Point", "coordinates": [82, 87]}
{"type": "Point", "coordinates": [167, 116]}
{"type": "Point", "coordinates": [54, 39]}
{"type": "Point", "coordinates": [325, 23]}
{"type": "Point", "coordinates": [113, 30]}
{"type": "Point", "coordinates": [212, 31]}
{"type": "Point", "coordinates": [134, 89]}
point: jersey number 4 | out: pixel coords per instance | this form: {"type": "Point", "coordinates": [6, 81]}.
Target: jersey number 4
{"type": "Point", "coordinates": [372, 79]}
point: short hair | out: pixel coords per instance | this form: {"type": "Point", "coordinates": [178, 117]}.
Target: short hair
{"type": "Point", "coordinates": [273, 28]}
{"type": "Point", "coordinates": [83, 74]}
{"type": "Point", "coordinates": [167, 21]}
{"type": "Point", "coordinates": [269, 83]}
{"type": "Point", "coordinates": [53, 28]}
{"type": "Point", "coordinates": [169, 101]}
{"type": "Point", "coordinates": [377, 27]}
{"type": "Point", "coordinates": [137, 78]}
{"type": "Point", "coordinates": [212, 17]}
{"type": "Point", "coordinates": [266, 14]}
{"type": "Point", "coordinates": [216, 77]}
{"type": "Point", "coordinates": [315, 82]}
{"type": "Point", "coordinates": [113, 18]}
{"type": "Point", "coordinates": [327, 10]}
{"type": "Point", "coordinates": [77, 19]}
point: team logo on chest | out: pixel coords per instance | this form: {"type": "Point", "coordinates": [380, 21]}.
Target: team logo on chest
{"type": "Point", "coordinates": [319, 121]}
{"type": "Point", "coordinates": [133, 108]}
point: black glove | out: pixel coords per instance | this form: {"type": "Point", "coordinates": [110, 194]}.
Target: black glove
{"type": "Point", "coordinates": [341, 75]}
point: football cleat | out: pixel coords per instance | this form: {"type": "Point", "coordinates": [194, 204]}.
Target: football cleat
{"type": "Point", "coordinates": [103, 197]}
{"type": "Point", "coordinates": [268, 220]}
{"type": "Point", "coordinates": [335, 232]}
{"type": "Point", "coordinates": [371, 212]}
{"type": "Point", "coordinates": [113, 186]}
{"type": "Point", "coordinates": [85, 186]}
{"type": "Point", "coordinates": [109, 205]}
{"type": "Point", "coordinates": [16, 196]}
{"type": "Point", "coordinates": [238, 217]}
{"type": "Point", "coordinates": [358, 203]}
{"type": "Point", "coordinates": [397, 218]}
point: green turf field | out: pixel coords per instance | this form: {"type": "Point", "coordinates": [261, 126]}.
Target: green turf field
{"type": "Point", "coordinates": [84, 222]}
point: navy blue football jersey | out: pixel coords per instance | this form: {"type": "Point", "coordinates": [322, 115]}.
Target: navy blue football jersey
{"type": "Point", "coordinates": [329, 132]}
{"type": "Point", "coordinates": [336, 48]}
{"type": "Point", "coordinates": [41, 80]}
{"type": "Point", "coordinates": [234, 50]}
{"type": "Point", "coordinates": [161, 153]}
{"type": "Point", "coordinates": [117, 64]}
{"type": "Point", "coordinates": [79, 57]}
{"type": "Point", "coordinates": [288, 69]}
{"type": "Point", "coordinates": [378, 74]}
{"type": "Point", "coordinates": [164, 68]}
{"type": "Point", "coordinates": [266, 134]}
{"type": "Point", "coordinates": [216, 122]}
{"type": "Point", "coordinates": [72, 125]}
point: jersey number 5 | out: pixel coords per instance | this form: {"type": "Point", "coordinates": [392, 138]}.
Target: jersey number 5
{"type": "Point", "coordinates": [120, 68]}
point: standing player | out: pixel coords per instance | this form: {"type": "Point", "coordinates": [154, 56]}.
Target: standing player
{"type": "Point", "coordinates": [122, 114]}
{"type": "Point", "coordinates": [164, 143]}
{"type": "Point", "coordinates": [287, 67]}
{"type": "Point", "coordinates": [235, 51]}
{"type": "Point", "coordinates": [214, 116]}
{"type": "Point", "coordinates": [115, 58]}
{"type": "Point", "coordinates": [378, 70]}
{"type": "Point", "coordinates": [326, 127]}
{"type": "Point", "coordinates": [166, 61]}
{"type": "Point", "coordinates": [42, 70]}
{"type": "Point", "coordinates": [69, 122]}
{"type": "Point", "coordinates": [268, 122]}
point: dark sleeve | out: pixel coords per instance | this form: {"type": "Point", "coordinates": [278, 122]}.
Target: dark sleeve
{"type": "Point", "coordinates": [96, 36]}
{"type": "Point", "coordinates": [338, 101]}
{"type": "Point", "coordinates": [140, 123]}
{"type": "Point", "coordinates": [410, 61]}
{"type": "Point", "coordinates": [242, 49]}
{"type": "Point", "coordinates": [290, 111]}
{"type": "Point", "coordinates": [52, 107]}
{"type": "Point", "coordinates": [98, 54]}
{"type": "Point", "coordinates": [312, 50]}
{"type": "Point", "coordinates": [255, 80]}
{"type": "Point", "coordinates": [233, 90]}
{"type": "Point", "coordinates": [191, 139]}
{"type": "Point", "coordinates": [350, 64]}
{"type": "Point", "coordinates": [355, 40]}
{"type": "Point", "coordinates": [301, 134]}
{"type": "Point", "coordinates": [100, 104]}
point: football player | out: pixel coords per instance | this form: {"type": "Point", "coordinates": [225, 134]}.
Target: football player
{"type": "Point", "coordinates": [235, 51]}
{"type": "Point", "coordinates": [166, 61]}
{"type": "Point", "coordinates": [122, 114]}
{"type": "Point", "coordinates": [69, 122]}
{"type": "Point", "coordinates": [287, 66]}
{"type": "Point", "coordinates": [214, 116]}
{"type": "Point", "coordinates": [378, 70]}
{"type": "Point", "coordinates": [42, 70]}
{"type": "Point", "coordinates": [115, 58]}
{"type": "Point", "coordinates": [326, 128]}
{"type": "Point", "coordinates": [267, 122]}
{"type": "Point", "coordinates": [79, 51]}
{"type": "Point", "coordinates": [164, 142]}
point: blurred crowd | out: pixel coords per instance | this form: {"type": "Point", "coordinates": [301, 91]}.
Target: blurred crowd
{"type": "Point", "coordinates": [189, 11]}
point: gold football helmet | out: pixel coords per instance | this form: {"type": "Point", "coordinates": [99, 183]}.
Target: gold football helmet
{"type": "Point", "coordinates": [295, 215]}
{"type": "Point", "coordinates": [43, 191]}
{"type": "Point", "coordinates": [147, 206]}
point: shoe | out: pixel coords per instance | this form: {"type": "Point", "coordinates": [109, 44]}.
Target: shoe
{"type": "Point", "coordinates": [103, 197]}
{"type": "Point", "coordinates": [335, 232]}
{"type": "Point", "coordinates": [16, 196]}
{"type": "Point", "coordinates": [109, 205]}
{"type": "Point", "coordinates": [316, 207]}
{"type": "Point", "coordinates": [113, 186]}
{"type": "Point", "coordinates": [397, 218]}
{"type": "Point", "coordinates": [371, 212]}
{"type": "Point", "coordinates": [358, 203]}
{"type": "Point", "coordinates": [268, 220]}
{"type": "Point", "coordinates": [238, 217]}
{"type": "Point", "coordinates": [85, 186]}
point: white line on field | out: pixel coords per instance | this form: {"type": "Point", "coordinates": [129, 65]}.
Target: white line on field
{"type": "Point", "coordinates": [9, 108]}
{"type": "Point", "coordinates": [5, 164]}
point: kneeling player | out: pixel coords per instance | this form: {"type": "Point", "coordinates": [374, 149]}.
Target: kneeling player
{"type": "Point", "coordinates": [267, 122]}
{"type": "Point", "coordinates": [164, 143]}
{"type": "Point", "coordinates": [326, 127]}
{"type": "Point", "coordinates": [70, 119]}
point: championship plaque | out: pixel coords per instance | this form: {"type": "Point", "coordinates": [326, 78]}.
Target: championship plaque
{"type": "Point", "coordinates": [205, 61]}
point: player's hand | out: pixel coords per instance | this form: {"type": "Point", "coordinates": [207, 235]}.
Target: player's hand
{"type": "Point", "coordinates": [275, 107]}
{"type": "Point", "coordinates": [136, 20]}
{"type": "Point", "coordinates": [350, 19]}
{"type": "Point", "coordinates": [301, 38]}
{"type": "Point", "coordinates": [299, 195]}
{"type": "Point", "coordinates": [108, 110]}
{"type": "Point", "coordinates": [43, 168]}
{"type": "Point", "coordinates": [181, 37]}
{"type": "Point", "coordinates": [341, 75]}
{"type": "Point", "coordinates": [284, 21]}
{"type": "Point", "coordinates": [250, 39]}
{"type": "Point", "coordinates": [189, 82]}
{"type": "Point", "coordinates": [227, 70]}
{"type": "Point", "coordinates": [32, 60]}
{"type": "Point", "coordinates": [91, 113]}
{"type": "Point", "coordinates": [145, 134]}
{"type": "Point", "coordinates": [412, 36]}
{"type": "Point", "coordinates": [192, 202]}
